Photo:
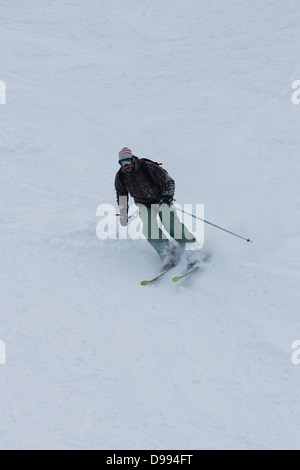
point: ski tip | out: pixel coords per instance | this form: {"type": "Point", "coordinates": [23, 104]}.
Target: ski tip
{"type": "Point", "coordinates": [178, 278]}
{"type": "Point", "coordinates": [155, 279]}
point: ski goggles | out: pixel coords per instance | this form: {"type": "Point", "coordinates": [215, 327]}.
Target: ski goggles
{"type": "Point", "coordinates": [128, 161]}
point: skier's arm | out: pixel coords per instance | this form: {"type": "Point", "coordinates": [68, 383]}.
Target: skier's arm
{"type": "Point", "coordinates": [122, 200]}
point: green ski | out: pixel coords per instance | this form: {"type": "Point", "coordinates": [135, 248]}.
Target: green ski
{"type": "Point", "coordinates": [155, 279]}
{"type": "Point", "coordinates": [190, 271]}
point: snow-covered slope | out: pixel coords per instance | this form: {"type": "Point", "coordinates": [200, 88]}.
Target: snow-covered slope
{"type": "Point", "coordinates": [94, 360]}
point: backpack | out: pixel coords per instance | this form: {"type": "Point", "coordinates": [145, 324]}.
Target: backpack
{"type": "Point", "coordinates": [144, 170]}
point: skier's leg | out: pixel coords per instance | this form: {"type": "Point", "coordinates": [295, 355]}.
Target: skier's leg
{"type": "Point", "coordinates": [174, 226]}
{"type": "Point", "coordinates": [179, 232]}
{"type": "Point", "coordinates": [152, 231]}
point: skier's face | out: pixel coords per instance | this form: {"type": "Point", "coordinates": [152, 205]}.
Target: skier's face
{"type": "Point", "coordinates": [128, 168]}
{"type": "Point", "coordinates": [127, 164]}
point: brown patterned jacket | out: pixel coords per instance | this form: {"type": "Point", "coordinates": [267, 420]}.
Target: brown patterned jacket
{"type": "Point", "coordinates": [140, 189]}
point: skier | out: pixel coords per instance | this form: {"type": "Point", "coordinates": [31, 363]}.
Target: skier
{"type": "Point", "coordinates": [153, 192]}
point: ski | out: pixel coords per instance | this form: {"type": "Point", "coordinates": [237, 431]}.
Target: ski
{"type": "Point", "coordinates": [190, 271]}
{"type": "Point", "coordinates": [156, 278]}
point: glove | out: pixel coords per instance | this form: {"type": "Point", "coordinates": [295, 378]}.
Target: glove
{"type": "Point", "coordinates": [166, 200]}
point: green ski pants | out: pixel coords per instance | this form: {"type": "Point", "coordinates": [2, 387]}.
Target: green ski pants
{"type": "Point", "coordinates": [171, 223]}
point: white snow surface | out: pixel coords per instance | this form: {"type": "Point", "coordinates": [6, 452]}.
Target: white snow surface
{"type": "Point", "coordinates": [94, 360]}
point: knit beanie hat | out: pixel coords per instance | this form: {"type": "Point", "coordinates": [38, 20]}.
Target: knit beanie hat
{"type": "Point", "coordinates": [125, 153]}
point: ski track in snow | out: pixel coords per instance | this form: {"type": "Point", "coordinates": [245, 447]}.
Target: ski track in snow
{"type": "Point", "coordinates": [94, 360]}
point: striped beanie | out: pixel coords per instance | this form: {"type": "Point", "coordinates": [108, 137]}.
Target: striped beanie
{"type": "Point", "coordinates": [125, 153]}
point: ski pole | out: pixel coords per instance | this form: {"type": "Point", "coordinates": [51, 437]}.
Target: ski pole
{"type": "Point", "coordinates": [118, 215]}
{"type": "Point", "coordinates": [217, 226]}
